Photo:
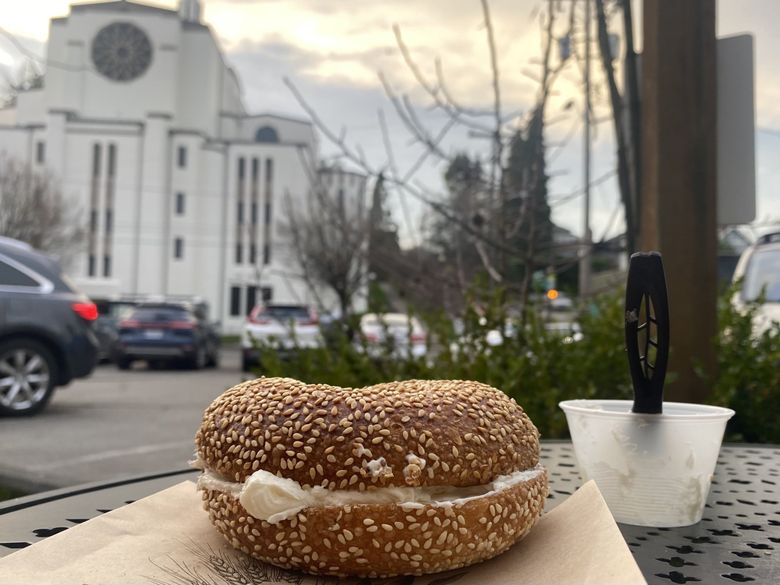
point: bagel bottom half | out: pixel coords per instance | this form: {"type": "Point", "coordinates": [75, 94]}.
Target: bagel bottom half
{"type": "Point", "coordinates": [384, 540]}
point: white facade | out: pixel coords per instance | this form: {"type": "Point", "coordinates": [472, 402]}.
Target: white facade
{"type": "Point", "coordinates": [141, 121]}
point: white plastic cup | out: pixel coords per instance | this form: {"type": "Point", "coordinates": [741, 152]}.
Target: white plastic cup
{"type": "Point", "coordinates": [652, 469]}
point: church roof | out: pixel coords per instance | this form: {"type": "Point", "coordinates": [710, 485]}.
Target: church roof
{"type": "Point", "coordinates": [122, 6]}
{"type": "Point", "coordinates": [132, 7]}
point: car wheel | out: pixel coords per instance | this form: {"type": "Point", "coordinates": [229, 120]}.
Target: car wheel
{"type": "Point", "coordinates": [198, 361]}
{"type": "Point", "coordinates": [28, 372]}
{"type": "Point", "coordinates": [124, 363]}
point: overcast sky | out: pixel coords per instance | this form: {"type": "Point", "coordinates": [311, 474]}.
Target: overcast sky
{"type": "Point", "coordinates": [333, 50]}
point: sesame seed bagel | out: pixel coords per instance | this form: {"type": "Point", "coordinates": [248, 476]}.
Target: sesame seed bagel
{"type": "Point", "coordinates": [416, 436]}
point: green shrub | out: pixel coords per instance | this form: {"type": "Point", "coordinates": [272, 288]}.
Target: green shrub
{"type": "Point", "coordinates": [539, 369]}
{"type": "Point", "coordinates": [748, 378]}
{"type": "Point", "coordinates": [533, 366]}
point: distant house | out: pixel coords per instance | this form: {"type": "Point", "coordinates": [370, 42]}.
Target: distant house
{"type": "Point", "coordinates": [142, 122]}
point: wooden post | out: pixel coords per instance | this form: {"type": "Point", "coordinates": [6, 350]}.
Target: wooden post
{"type": "Point", "coordinates": [678, 199]}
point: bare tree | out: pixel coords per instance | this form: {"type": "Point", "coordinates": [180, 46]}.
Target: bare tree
{"type": "Point", "coordinates": [329, 235]}
{"type": "Point", "coordinates": [493, 240]}
{"type": "Point", "coordinates": [625, 114]}
{"type": "Point", "coordinates": [28, 76]}
{"type": "Point", "coordinates": [33, 209]}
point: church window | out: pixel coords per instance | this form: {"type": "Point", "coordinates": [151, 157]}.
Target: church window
{"type": "Point", "coordinates": [267, 134]}
{"type": "Point", "coordinates": [94, 207]}
{"type": "Point", "coordinates": [235, 301]}
{"type": "Point", "coordinates": [96, 153]}
{"type": "Point", "coordinates": [109, 208]}
{"type": "Point", "coordinates": [182, 157]}
{"type": "Point", "coordinates": [121, 51]}
{"type": "Point", "coordinates": [111, 160]}
{"type": "Point", "coordinates": [269, 187]}
{"type": "Point", "coordinates": [251, 298]}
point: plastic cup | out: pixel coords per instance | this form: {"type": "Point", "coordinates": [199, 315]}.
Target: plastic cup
{"type": "Point", "coordinates": [652, 469]}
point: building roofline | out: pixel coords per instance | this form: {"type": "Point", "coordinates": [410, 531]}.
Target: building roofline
{"type": "Point", "coordinates": [123, 6]}
{"type": "Point", "coordinates": [272, 115]}
{"type": "Point", "coordinates": [199, 26]}
{"type": "Point", "coordinates": [242, 142]}
{"type": "Point", "coordinates": [341, 171]}
{"type": "Point", "coordinates": [105, 121]}
{"type": "Point", "coordinates": [20, 127]}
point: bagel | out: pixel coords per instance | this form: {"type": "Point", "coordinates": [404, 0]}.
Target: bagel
{"type": "Point", "coordinates": [401, 478]}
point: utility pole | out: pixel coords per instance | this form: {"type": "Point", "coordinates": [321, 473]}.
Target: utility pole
{"type": "Point", "coordinates": [587, 236]}
{"type": "Point", "coordinates": [678, 202]}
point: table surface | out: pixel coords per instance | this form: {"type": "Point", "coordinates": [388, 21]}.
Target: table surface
{"type": "Point", "coordinates": [734, 542]}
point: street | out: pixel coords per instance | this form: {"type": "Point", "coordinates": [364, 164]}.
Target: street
{"type": "Point", "coordinates": [114, 424]}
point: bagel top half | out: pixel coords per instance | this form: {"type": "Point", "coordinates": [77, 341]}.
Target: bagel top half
{"type": "Point", "coordinates": [407, 434]}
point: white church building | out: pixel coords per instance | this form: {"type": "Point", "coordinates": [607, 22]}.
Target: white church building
{"type": "Point", "coordinates": [141, 121]}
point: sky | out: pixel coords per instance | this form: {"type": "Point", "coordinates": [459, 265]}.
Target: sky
{"type": "Point", "coordinates": [333, 51]}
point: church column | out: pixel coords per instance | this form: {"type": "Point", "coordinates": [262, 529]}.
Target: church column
{"type": "Point", "coordinates": [151, 247]}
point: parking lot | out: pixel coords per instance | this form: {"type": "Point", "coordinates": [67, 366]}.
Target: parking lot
{"type": "Point", "coordinates": [111, 425]}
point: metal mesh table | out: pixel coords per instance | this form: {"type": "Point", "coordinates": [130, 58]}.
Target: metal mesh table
{"type": "Point", "coordinates": [734, 542]}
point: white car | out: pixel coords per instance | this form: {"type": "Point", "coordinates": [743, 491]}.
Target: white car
{"type": "Point", "coordinates": [758, 270]}
{"type": "Point", "coordinates": [285, 327]}
{"type": "Point", "coordinates": [569, 332]}
{"type": "Point", "coordinates": [407, 334]}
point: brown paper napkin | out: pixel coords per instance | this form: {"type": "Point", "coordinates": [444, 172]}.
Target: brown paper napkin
{"type": "Point", "coordinates": [166, 539]}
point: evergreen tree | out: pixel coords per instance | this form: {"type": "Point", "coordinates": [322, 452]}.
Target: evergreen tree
{"type": "Point", "coordinates": [527, 209]}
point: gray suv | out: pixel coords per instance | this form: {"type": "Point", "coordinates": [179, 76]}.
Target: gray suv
{"type": "Point", "coordinates": [46, 336]}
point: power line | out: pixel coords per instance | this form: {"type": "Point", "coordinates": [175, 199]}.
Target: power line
{"type": "Point", "coordinates": [580, 192]}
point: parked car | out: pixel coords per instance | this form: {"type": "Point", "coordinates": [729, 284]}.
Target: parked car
{"type": "Point", "coordinates": [46, 334]}
{"type": "Point", "coordinates": [758, 272]}
{"type": "Point", "coordinates": [560, 309]}
{"type": "Point", "coordinates": [286, 327]}
{"type": "Point", "coordinates": [568, 331]}
{"type": "Point", "coordinates": [158, 332]}
{"type": "Point", "coordinates": [402, 334]}
{"type": "Point", "coordinates": [110, 312]}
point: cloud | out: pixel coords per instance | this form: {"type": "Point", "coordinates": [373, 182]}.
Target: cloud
{"type": "Point", "coordinates": [340, 82]}
{"type": "Point", "coordinates": [333, 50]}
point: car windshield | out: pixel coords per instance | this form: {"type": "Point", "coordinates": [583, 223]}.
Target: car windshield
{"type": "Point", "coordinates": [159, 314]}
{"type": "Point", "coordinates": [115, 310]}
{"type": "Point", "coordinates": [391, 321]}
{"type": "Point", "coordinates": [763, 274]}
{"type": "Point", "coordinates": [562, 327]}
{"type": "Point", "coordinates": [286, 312]}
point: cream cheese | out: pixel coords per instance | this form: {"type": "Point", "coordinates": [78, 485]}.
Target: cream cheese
{"type": "Point", "coordinates": [273, 499]}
